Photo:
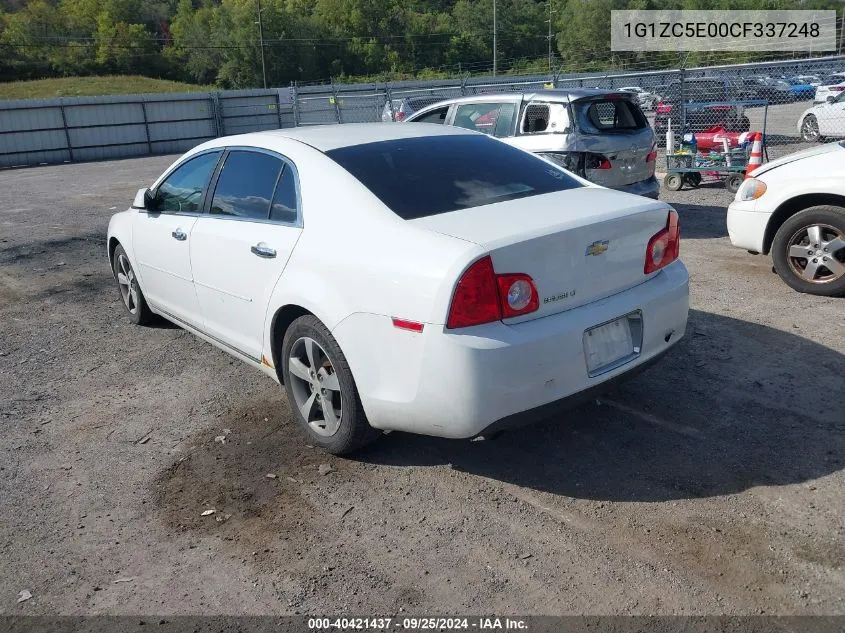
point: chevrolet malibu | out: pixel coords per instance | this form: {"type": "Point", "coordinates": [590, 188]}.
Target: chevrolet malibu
{"type": "Point", "coordinates": [404, 277]}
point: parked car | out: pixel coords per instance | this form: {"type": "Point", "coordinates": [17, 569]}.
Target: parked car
{"type": "Point", "coordinates": [823, 121]}
{"type": "Point", "coordinates": [768, 89]}
{"type": "Point", "coordinates": [647, 100]}
{"type": "Point", "coordinates": [794, 208]}
{"type": "Point", "coordinates": [704, 103]}
{"type": "Point", "coordinates": [406, 106]}
{"type": "Point", "coordinates": [813, 80]}
{"type": "Point", "coordinates": [831, 86]}
{"type": "Point", "coordinates": [800, 90]}
{"type": "Point", "coordinates": [600, 135]}
{"type": "Point", "coordinates": [410, 277]}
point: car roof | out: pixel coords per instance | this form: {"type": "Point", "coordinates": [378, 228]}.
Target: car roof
{"type": "Point", "coordinates": [562, 95]}
{"type": "Point", "coordinates": [328, 137]}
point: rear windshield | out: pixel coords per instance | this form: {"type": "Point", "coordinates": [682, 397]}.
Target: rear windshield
{"type": "Point", "coordinates": [608, 116]}
{"type": "Point", "coordinates": [419, 177]}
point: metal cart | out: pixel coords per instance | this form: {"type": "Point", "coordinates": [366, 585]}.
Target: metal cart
{"type": "Point", "coordinates": [691, 169]}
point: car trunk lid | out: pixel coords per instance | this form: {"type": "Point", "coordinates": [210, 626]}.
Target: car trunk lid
{"type": "Point", "coordinates": [578, 246]}
{"type": "Point", "coordinates": [617, 139]}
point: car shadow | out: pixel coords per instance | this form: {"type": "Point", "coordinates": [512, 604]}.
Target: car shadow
{"type": "Point", "coordinates": [701, 221]}
{"type": "Point", "coordinates": [736, 405]}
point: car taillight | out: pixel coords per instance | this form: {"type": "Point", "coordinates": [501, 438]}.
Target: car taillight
{"type": "Point", "coordinates": [399, 116]}
{"type": "Point", "coordinates": [652, 155]}
{"type": "Point", "coordinates": [482, 296]}
{"type": "Point", "coordinates": [597, 161]}
{"type": "Point", "coordinates": [664, 246]}
{"type": "Point", "coordinates": [837, 88]}
{"type": "Point", "coordinates": [663, 108]}
{"type": "Point", "coordinates": [518, 295]}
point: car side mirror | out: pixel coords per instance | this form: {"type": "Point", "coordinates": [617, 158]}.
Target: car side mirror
{"type": "Point", "coordinates": [144, 200]}
{"type": "Point", "coordinates": [831, 99]}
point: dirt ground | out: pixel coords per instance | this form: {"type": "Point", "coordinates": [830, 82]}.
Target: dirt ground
{"type": "Point", "coordinates": [712, 483]}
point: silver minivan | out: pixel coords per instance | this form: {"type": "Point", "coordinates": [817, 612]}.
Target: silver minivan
{"type": "Point", "coordinates": [600, 135]}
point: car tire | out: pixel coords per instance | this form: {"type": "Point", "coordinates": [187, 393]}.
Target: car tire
{"type": "Point", "coordinates": [312, 366]}
{"type": "Point", "coordinates": [130, 291]}
{"type": "Point", "coordinates": [810, 129]}
{"type": "Point", "coordinates": [812, 229]}
{"type": "Point", "coordinates": [742, 124]}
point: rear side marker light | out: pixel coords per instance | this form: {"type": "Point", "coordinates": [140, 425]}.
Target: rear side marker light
{"type": "Point", "coordinates": [404, 324]}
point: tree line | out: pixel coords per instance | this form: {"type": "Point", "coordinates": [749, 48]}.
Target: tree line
{"type": "Point", "coordinates": [217, 42]}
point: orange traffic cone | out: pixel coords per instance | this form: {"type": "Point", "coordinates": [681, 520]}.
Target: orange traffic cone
{"type": "Point", "coordinates": [756, 158]}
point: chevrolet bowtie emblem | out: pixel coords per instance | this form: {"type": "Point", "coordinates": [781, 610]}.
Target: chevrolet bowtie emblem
{"type": "Point", "coordinates": [597, 248]}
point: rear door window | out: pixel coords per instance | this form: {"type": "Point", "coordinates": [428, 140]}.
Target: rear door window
{"type": "Point", "coordinates": [423, 176]}
{"type": "Point", "coordinates": [246, 184]}
{"type": "Point", "coordinates": [495, 119]}
{"type": "Point", "coordinates": [602, 116]}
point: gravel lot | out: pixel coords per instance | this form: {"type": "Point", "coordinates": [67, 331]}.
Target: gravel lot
{"type": "Point", "coordinates": [713, 483]}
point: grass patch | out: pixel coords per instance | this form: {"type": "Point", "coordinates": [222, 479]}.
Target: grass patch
{"type": "Point", "coordinates": [93, 86]}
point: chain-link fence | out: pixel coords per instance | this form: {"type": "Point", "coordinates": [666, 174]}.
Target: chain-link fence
{"type": "Point", "coordinates": [795, 103]}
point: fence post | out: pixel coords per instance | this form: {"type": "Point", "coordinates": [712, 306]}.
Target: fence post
{"type": "Point", "coordinates": [389, 97]}
{"type": "Point", "coordinates": [279, 108]}
{"type": "Point", "coordinates": [146, 126]}
{"type": "Point", "coordinates": [67, 132]}
{"type": "Point", "coordinates": [681, 75]}
{"type": "Point", "coordinates": [215, 114]}
{"type": "Point", "coordinates": [337, 112]}
{"type": "Point", "coordinates": [463, 86]}
{"type": "Point", "coordinates": [294, 98]}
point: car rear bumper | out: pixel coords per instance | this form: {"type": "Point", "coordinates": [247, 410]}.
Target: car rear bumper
{"type": "Point", "coordinates": [649, 188]}
{"type": "Point", "coordinates": [458, 383]}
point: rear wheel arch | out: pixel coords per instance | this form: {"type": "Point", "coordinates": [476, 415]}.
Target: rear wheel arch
{"type": "Point", "coordinates": [794, 205]}
{"type": "Point", "coordinates": [282, 319]}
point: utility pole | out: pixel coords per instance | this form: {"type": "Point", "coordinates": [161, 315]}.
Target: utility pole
{"type": "Point", "coordinates": [494, 38]}
{"type": "Point", "coordinates": [261, 40]}
{"type": "Point", "coordinates": [550, 36]}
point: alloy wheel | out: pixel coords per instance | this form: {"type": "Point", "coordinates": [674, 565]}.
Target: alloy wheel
{"type": "Point", "coordinates": [128, 284]}
{"type": "Point", "coordinates": [810, 129]}
{"type": "Point", "coordinates": [816, 254]}
{"type": "Point", "coordinates": [315, 386]}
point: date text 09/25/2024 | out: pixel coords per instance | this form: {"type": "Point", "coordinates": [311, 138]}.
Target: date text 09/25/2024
{"type": "Point", "coordinates": [417, 624]}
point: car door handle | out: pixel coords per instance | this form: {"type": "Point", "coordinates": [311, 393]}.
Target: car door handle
{"type": "Point", "coordinates": [180, 235]}
{"type": "Point", "coordinates": [262, 250]}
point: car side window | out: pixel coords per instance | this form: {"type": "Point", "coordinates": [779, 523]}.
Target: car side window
{"type": "Point", "coordinates": [182, 191]}
{"type": "Point", "coordinates": [435, 116]}
{"type": "Point", "coordinates": [245, 185]}
{"type": "Point", "coordinates": [284, 207]}
{"type": "Point", "coordinates": [491, 118]}
{"type": "Point", "coordinates": [536, 118]}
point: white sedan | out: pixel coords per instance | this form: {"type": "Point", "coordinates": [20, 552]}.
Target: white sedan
{"type": "Point", "coordinates": [826, 120]}
{"type": "Point", "coordinates": [404, 277]}
{"type": "Point", "coordinates": [794, 207]}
